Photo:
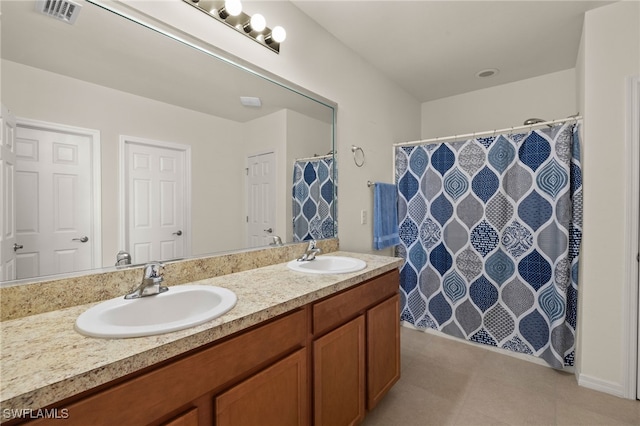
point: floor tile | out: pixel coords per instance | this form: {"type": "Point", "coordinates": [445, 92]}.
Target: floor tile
{"type": "Point", "coordinates": [509, 403]}
{"type": "Point", "coordinates": [450, 382]}
{"type": "Point", "coordinates": [408, 405]}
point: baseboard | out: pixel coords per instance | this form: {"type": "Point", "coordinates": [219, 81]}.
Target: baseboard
{"type": "Point", "coordinates": [615, 389]}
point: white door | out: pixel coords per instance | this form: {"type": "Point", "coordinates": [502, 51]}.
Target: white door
{"type": "Point", "coordinates": [54, 203]}
{"type": "Point", "coordinates": [261, 184]}
{"type": "Point", "coordinates": [156, 211]}
{"type": "Point", "coordinates": [8, 245]}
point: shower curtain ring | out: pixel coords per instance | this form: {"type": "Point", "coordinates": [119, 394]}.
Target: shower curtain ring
{"type": "Point", "coordinates": [355, 150]}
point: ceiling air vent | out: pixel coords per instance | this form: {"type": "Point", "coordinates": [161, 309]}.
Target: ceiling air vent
{"type": "Point", "coordinates": [63, 10]}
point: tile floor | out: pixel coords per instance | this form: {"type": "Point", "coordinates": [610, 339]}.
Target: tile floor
{"type": "Point", "coordinates": [446, 382]}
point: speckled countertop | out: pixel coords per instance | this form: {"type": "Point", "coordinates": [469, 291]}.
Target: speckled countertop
{"type": "Point", "coordinates": [44, 360]}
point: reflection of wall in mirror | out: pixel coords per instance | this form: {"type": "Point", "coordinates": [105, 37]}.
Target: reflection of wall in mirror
{"type": "Point", "coordinates": [219, 149]}
{"type": "Point", "coordinates": [307, 138]}
{"type": "Point", "coordinates": [46, 96]}
{"type": "Point", "coordinates": [290, 135]}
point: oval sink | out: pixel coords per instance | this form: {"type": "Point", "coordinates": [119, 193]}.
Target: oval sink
{"type": "Point", "coordinates": [328, 265]}
{"type": "Point", "coordinates": [180, 307]}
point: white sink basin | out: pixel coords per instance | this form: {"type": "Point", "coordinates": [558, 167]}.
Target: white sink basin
{"type": "Point", "coordinates": [328, 265]}
{"type": "Point", "coordinates": [181, 307]}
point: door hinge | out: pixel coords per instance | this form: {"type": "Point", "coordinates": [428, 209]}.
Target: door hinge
{"type": "Point", "coordinates": [246, 170]}
{"type": "Point", "coordinates": [247, 219]}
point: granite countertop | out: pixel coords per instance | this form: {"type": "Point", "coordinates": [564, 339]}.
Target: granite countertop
{"type": "Point", "coordinates": [44, 360]}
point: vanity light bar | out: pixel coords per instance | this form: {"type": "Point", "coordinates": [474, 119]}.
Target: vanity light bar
{"type": "Point", "coordinates": [230, 12]}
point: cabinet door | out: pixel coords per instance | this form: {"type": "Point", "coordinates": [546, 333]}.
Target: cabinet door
{"type": "Point", "coordinates": [338, 360]}
{"type": "Point", "coordinates": [383, 349]}
{"type": "Point", "coordinates": [276, 396]}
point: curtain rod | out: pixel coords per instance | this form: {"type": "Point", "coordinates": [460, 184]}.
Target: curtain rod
{"type": "Point", "coordinates": [317, 157]}
{"type": "Point", "coordinates": [487, 133]}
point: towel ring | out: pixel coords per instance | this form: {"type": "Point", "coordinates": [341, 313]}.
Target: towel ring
{"type": "Point", "coordinates": [355, 150]}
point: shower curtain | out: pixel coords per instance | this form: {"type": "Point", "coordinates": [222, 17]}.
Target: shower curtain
{"type": "Point", "coordinates": [490, 229]}
{"type": "Point", "coordinates": [313, 199]}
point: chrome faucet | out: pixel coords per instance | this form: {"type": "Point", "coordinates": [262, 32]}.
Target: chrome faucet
{"type": "Point", "coordinates": [311, 252]}
{"type": "Point", "coordinates": [150, 282]}
{"type": "Point", "coordinates": [123, 258]}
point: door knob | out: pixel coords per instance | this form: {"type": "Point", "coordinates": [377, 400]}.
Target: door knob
{"type": "Point", "coordinates": [177, 233]}
{"type": "Point", "coordinates": [82, 240]}
{"type": "Point", "coordinates": [17, 247]}
{"type": "Point", "coordinates": [268, 231]}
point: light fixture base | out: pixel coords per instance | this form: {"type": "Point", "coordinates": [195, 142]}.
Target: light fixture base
{"type": "Point", "coordinates": [240, 23]}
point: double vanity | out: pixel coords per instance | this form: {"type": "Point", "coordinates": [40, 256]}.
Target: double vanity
{"type": "Point", "coordinates": [295, 347]}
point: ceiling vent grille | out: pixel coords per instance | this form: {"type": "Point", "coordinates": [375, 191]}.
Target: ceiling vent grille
{"type": "Point", "coordinates": [63, 10]}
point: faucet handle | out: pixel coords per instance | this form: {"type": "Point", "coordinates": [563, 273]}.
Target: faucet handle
{"type": "Point", "coordinates": [312, 245]}
{"type": "Point", "coordinates": [153, 270]}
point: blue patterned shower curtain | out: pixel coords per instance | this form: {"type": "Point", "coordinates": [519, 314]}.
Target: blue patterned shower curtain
{"type": "Point", "coordinates": [313, 199]}
{"type": "Point", "coordinates": [490, 230]}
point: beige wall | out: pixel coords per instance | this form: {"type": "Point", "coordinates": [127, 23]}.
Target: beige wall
{"type": "Point", "coordinates": [610, 53]}
{"type": "Point", "coordinates": [548, 97]}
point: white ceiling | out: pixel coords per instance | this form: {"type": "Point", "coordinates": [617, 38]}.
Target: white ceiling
{"type": "Point", "coordinates": [434, 49]}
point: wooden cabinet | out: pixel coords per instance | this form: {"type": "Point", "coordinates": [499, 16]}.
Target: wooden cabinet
{"type": "Point", "coordinates": [339, 377]}
{"type": "Point", "coordinates": [162, 394]}
{"type": "Point", "coordinates": [359, 361]}
{"type": "Point", "coordinates": [383, 349]}
{"type": "Point", "coordinates": [277, 396]}
{"type": "Point", "coordinates": [322, 364]}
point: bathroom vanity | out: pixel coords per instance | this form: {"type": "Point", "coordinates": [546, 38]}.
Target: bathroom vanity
{"type": "Point", "coordinates": [296, 349]}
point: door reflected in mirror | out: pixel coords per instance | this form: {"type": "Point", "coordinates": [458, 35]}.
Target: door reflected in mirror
{"type": "Point", "coordinates": [207, 174]}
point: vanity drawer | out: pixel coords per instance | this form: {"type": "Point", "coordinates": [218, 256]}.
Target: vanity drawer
{"type": "Point", "coordinates": [338, 309]}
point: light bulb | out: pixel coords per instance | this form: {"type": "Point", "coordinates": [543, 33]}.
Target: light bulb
{"type": "Point", "coordinates": [258, 23]}
{"type": "Point", "coordinates": [233, 7]}
{"type": "Point", "coordinates": [278, 34]}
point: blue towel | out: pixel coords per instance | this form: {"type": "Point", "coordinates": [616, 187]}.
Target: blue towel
{"type": "Point", "coordinates": [385, 216]}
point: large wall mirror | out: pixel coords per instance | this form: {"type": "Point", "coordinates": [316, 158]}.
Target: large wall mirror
{"type": "Point", "coordinates": [124, 137]}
